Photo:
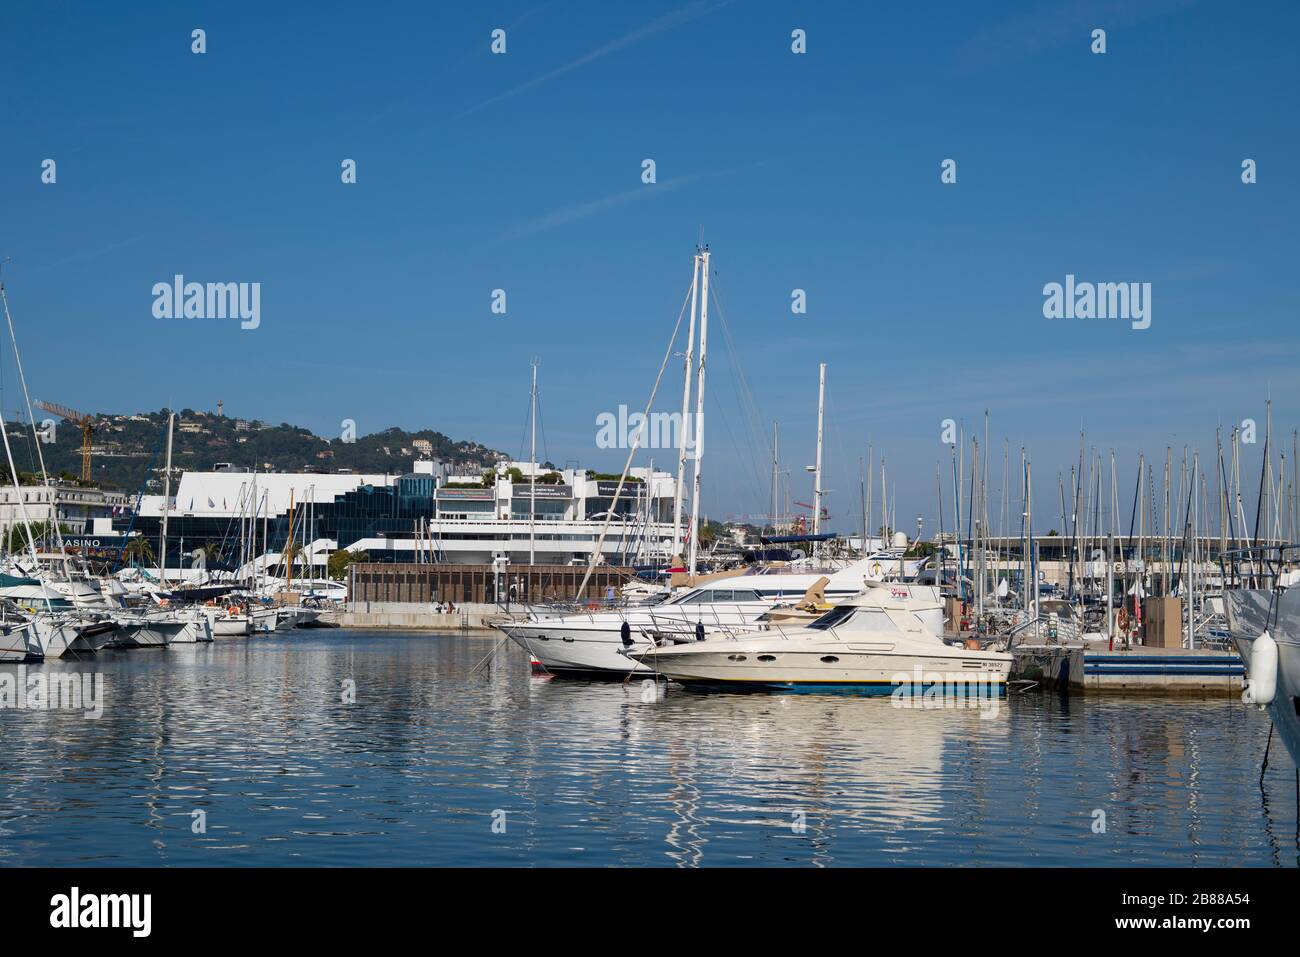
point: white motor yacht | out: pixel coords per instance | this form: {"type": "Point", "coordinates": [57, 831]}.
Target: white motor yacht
{"type": "Point", "coordinates": [879, 641]}
{"type": "Point", "coordinates": [595, 642]}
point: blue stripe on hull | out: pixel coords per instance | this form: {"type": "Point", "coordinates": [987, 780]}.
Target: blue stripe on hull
{"type": "Point", "coordinates": [873, 689]}
{"type": "Point", "coordinates": [1166, 660]}
{"type": "Point", "coordinates": [1226, 672]}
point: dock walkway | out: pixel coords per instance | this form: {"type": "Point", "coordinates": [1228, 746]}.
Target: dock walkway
{"type": "Point", "coordinates": [1094, 669]}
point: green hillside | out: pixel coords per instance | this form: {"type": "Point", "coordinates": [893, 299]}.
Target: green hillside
{"type": "Point", "coordinates": [125, 444]}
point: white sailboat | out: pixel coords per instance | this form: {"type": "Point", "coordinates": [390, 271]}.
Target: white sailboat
{"type": "Point", "coordinates": [230, 621]}
{"type": "Point", "coordinates": [19, 643]}
{"type": "Point", "coordinates": [53, 635]}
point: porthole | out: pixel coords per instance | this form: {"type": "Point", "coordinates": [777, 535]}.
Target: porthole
{"type": "Point", "coordinates": [829, 659]}
{"type": "Point", "coordinates": [767, 657]}
{"type": "Point", "coordinates": [736, 658]}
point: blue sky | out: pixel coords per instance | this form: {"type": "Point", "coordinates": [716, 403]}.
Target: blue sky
{"type": "Point", "coordinates": [522, 172]}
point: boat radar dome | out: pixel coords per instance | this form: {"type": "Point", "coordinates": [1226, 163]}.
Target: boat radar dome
{"type": "Point", "coordinates": [900, 539]}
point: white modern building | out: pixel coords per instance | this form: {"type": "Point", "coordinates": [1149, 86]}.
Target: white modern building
{"type": "Point", "coordinates": [430, 514]}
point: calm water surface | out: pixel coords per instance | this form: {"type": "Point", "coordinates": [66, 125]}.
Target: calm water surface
{"type": "Point", "coordinates": [255, 734]}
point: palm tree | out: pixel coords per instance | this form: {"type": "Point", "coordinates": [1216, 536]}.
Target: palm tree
{"type": "Point", "coordinates": [289, 556]}
{"type": "Point", "coordinates": [139, 551]}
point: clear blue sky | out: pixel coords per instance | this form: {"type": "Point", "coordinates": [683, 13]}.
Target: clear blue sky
{"type": "Point", "coordinates": [817, 171]}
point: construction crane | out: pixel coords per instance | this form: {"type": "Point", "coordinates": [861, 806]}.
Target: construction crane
{"type": "Point", "coordinates": [82, 421]}
{"type": "Point", "coordinates": [825, 514]}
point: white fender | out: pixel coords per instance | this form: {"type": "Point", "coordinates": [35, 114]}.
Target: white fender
{"type": "Point", "coordinates": [1261, 682]}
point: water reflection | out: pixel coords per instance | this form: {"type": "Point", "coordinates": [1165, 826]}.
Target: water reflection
{"type": "Point", "coordinates": [258, 736]}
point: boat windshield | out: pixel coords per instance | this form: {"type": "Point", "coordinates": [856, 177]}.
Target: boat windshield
{"type": "Point", "coordinates": [836, 616]}
{"type": "Point", "coordinates": [864, 619]}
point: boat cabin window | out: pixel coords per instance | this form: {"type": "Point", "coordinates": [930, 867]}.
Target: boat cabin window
{"type": "Point", "coordinates": [872, 619]}
{"type": "Point", "coordinates": [695, 598]}
{"type": "Point", "coordinates": [836, 616]}
{"type": "Point", "coordinates": [710, 595]}
{"type": "Point", "coordinates": [864, 619]}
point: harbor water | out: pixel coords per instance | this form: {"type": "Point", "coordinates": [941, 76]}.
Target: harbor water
{"type": "Point", "coordinates": [338, 748]}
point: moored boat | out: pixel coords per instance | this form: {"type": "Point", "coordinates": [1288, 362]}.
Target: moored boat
{"type": "Point", "coordinates": [1264, 623]}
{"type": "Point", "coordinates": [601, 642]}
{"type": "Point", "coordinates": [875, 643]}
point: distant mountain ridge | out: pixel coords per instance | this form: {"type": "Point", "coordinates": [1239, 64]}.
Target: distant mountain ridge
{"type": "Point", "coordinates": [124, 445]}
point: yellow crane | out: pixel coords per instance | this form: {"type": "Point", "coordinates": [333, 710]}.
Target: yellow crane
{"type": "Point", "coordinates": [82, 421]}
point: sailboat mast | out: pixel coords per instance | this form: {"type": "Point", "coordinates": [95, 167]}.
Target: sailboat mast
{"type": "Point", "coordinates": [266, 511]}
{"type": "Point", "coordinates": [252, 533]}
{"type": "Point", "coordinates": [288, 565]}
{"type": "Point", "coordinates": [532, 485]}
{"type": "Point", "coordinates": [776, 471]}
{"type": "Point", "coordinates": [817, 476]}
{"type": "Point", "coordinates": [686, 411]}
{"type": "Point", "coordinates": [862, 495]}
{"type": "Point", "coordinates": [699, 407]}
{"type": "Point", "coordinates": [167, 500]}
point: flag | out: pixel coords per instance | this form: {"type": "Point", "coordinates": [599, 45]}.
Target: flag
{"type": "Point", "coordinates": [211, 504]}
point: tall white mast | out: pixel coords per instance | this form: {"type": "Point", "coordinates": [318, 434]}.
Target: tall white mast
{"type": "Point", "coordinates": [18, 491]}
{"type": "Point", "coordinates": [1194, 508]}
{"type": "Point", "coordinates": [532, 486]}
{"type": "Point", "coordinates": [167, 498]}
{"type": "Point", "coordinates": [252, 533]}
{"type": "Point", "coordinates": [699, 407]}
{"type": "Point", "coordinates": [266, 511]}
{"type": "Point", "coordinates": [817, 475]}
{"type": "Point", "coordinates": [686, 410]}
{"type": "Point", "coordinates": [776, 466]}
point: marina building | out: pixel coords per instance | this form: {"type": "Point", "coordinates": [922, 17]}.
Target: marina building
{"type": "Point", "coordinates": [516, 511]}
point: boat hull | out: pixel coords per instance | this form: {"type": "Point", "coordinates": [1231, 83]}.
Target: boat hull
{"type": "Point", "coordinates": [565, 649]}
{"type": "Point", "coordinates": [54, 636]}
{"type": "Point", "coordinates": [1249, 614]}
{"type": "Point", "coordinates": [19, 644]}
{"type": "Point", "coordinates": [195, 629]}
{"type": "Point", "coordinates": [237, 627]}
{"type": "Point", "coordinates": [832, 666]}
{"type": "Point", "coordinates": [146, 634]}
{"type": "Point", "coordinates": [90, 638]}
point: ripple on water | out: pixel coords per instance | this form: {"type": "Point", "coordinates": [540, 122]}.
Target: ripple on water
{"type": "Point", "coordinates": [255, 735]}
